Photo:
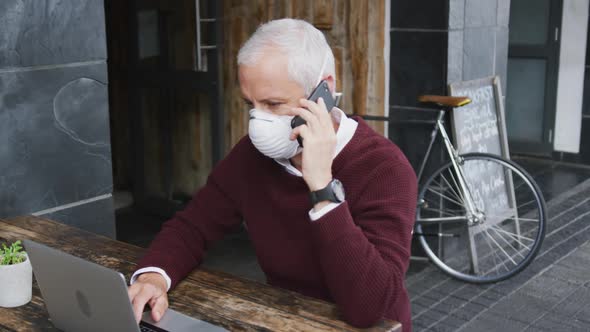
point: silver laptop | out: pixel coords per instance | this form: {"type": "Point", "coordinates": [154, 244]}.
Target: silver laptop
{"type": "Point", "coordinates": [83, 296]}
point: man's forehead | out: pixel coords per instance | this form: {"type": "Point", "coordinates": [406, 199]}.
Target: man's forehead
{"type": "Point", "coordinates": [266, 65]}
{"type": "Point", "coordinates": [265, 81]}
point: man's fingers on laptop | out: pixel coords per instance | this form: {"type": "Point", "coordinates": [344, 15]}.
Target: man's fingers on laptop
{"type": "Point", "coordinates": [139, 302]}
{"type": "Point", "coordinates": [132, 291]}
{"type": "Point", "coordinates": [147, 289]}
{"type": "Point", "coordinates": [159, 306]}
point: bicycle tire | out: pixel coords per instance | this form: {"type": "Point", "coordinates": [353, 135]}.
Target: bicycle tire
{"type": "Point", "coordinates": [511, 233]}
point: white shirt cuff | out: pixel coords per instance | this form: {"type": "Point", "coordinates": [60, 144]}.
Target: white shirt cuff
{"type": "Point", "coordinates": [315, 215]}
{"type": "Point", "coordinates": [151, 269]}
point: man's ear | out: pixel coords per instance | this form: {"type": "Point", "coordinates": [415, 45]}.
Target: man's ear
{"type": "Point", "coordinates": [331, 83]}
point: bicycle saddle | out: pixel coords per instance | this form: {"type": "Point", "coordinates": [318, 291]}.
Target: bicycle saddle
{"type": "Point", "coordinates": [448, 101]}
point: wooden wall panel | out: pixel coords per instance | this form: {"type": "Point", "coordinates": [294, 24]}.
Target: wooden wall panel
{"type": "Point", "coordinates": [359, 62]}
{"type": "Point", "coordinates": [323, 14]}
{"type": "Point", "coordinates": [338, 63]}
{"type": "Point", "coordinates": [376, 61]}
{"type": "Point", "coordinates": [354, 29]}
{"type": "Point", "coordinates": [240, 21]}
{"type": "Point", "coordinates": [301, 9]}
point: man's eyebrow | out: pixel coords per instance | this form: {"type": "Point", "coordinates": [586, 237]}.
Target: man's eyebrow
{"type": "Point", "coordinates": [266, 100]}
{"type": "Point", "coordinates": [273, 100]}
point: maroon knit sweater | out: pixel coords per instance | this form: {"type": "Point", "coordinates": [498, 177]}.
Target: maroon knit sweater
{"type": "Point", "coordinates": [355, 255]}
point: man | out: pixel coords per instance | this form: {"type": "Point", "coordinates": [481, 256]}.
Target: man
{"type": "Point", "coordinates": [351, 250]}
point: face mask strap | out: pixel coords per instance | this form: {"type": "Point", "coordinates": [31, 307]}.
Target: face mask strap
{"type": "Point", "coordinates": [323, 67]}
{"type": "Point", "coordinates": [337, 95]}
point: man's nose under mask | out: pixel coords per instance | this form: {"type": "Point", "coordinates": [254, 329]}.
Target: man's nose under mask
{"type": "Point", "coordinates": [270, 134]}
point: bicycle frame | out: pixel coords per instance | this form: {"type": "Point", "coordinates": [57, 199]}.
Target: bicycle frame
{"type": "Point", "coordinates": [455, 159]}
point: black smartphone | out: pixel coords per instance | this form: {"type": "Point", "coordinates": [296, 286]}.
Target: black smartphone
{"type": "Point", "coordinates": [323, 91]}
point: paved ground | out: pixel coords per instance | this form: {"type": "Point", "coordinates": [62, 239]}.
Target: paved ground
{"type": "Point", "coordinates": [557, 299]}
{"type": "Point", "coordinates": [553, 293]}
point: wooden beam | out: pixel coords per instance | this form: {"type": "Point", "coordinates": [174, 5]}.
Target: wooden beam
{"type": "Point", "coordinates": [358, 42]}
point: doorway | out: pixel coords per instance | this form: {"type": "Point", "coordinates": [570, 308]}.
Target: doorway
{"type": "Point", "coordinates": [164, 95]}
{"type": "Point", "coordinates": [533, 60]}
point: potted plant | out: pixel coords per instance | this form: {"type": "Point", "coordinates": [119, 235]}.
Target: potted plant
{"type": "Point", "coordinates": [16, 276]}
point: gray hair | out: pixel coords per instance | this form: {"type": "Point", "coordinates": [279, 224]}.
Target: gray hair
{"type": "Point", "coordinates": [305, 47]}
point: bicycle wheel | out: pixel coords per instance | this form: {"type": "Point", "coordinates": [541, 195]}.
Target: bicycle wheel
{"type": "Point", "coordinates": [495, 243]}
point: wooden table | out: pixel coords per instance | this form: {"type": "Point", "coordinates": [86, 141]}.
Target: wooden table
{"type": "Point", "coordinates": [235, 303]}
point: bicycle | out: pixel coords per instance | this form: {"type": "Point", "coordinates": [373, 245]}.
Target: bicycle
{"type": "Point", "coordinates": [480, 218]}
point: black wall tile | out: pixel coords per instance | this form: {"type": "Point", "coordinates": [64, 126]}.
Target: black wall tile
{"type": "Point", "coordinates": [411, 139]}
{"type": "Point", "coordinates": [585, 141]}
{"type": "Point", "coordinates": [419, 14]}
{"type": "Point", "coordinates": [418, 65]}
{"type": "Point", "coordinates": [51, 32]}
{"type": "Point", "coordinates": [55, 131]}
{"type": "Point", "coordinates": [410, 129]}
{"type": "Point", "coordinates": [586, 98]}
{"type": "Point", "coordinates": [96, 217]}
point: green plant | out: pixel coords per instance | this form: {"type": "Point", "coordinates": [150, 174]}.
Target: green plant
{"type": "Point", "coordinates": [11, 255]}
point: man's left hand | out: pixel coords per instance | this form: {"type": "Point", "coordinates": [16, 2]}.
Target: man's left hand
{"type": "Point", "coordinates": [319, 141]}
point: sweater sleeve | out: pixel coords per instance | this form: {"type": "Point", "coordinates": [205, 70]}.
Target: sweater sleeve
{"type": "Point", "coordinates": [364, 258]}
{"type": "Point", "coordinates": [179, 246]}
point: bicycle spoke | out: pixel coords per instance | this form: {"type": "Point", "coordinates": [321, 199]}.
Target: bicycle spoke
{"type": "Point", "coordinates": [514, 236]}
{"type": "Point", "coordinates": [443, 196]}
{"type": "Point", "coordinates": [440, 211]}
{"type": "Point", "coordinates": [525, 219]}
{"type": "Point", "coordinates": [527, 203]}
{"type": "Point", "coordinates": [454, 212]}
{"type": "Point", "coordinates": [520, 184]}
{"type": "Point", "coordinates": [499, 246]}
{"type": "Point", "coordinates": [439, 184]}
{"type": "Point", "coordinates": [508, 243]}
{"type": "Point", "coordinates": [452, 188]}
{"type": "Point", "coordinates": [456, 185]}
{"type": "Point", "coordinates": [492, 216]}
{"type": "Point", "coordinates": [493, 253]}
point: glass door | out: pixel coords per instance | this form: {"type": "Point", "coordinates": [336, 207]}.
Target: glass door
{"type": "Point", "coordinates": [533, 57]}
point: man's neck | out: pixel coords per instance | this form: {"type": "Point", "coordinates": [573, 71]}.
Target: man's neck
{"type": "Point", "coordinates": [297, 161]}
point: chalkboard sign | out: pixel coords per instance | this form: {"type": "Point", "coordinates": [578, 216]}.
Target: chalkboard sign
{"type": "Point", "coordinates": [480, 127]}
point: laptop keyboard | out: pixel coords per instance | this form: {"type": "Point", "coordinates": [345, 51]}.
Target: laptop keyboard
{"type": "Point", "coordinates": [147, 327]}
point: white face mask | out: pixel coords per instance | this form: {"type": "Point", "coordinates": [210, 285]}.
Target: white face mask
{"type": "Point", "coordinates": [270, 133]}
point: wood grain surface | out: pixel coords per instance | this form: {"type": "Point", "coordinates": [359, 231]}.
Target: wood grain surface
{"type": "Point", "coordinates": [234, 303]}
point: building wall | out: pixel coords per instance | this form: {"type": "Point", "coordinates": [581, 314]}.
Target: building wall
{"type": "Point", "coordinates": [55, 158]}
{"type": "Point", "coordinates": [434, 43]}
{"type": "Point", "coordinates": [570, 84]}
{"type": "Point", "coordinates": [583, 157]}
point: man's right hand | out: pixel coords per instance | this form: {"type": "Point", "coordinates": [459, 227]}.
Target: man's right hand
{"type": "Point", "coordinates": [149, 287]}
